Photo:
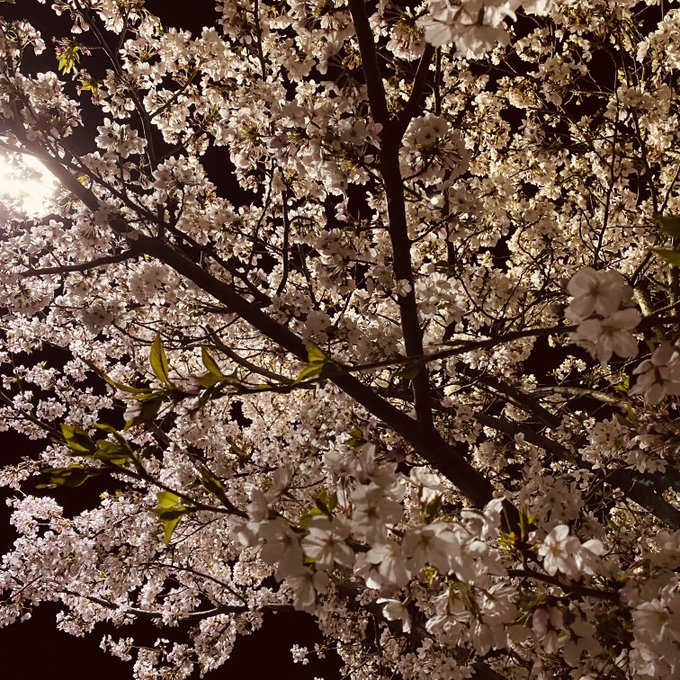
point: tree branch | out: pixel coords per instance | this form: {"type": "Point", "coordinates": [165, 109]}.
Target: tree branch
{"type": "Point", "coordinates": [396, 209]}
{"type": "Point", "coordinates": [414, 101]}
{"type": "Point", "coordinates": [369, 62]}
{"type": "Point", "coordinates": [425, 440]}
{"type": "Point", "coordinates": [83, 266]}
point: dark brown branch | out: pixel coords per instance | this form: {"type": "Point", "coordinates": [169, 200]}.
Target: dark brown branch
{"type": "Point", "coordinates": [485, 672]}
{"type": "Point", "coordinates": [571, 588]}
{"type": "Point", "coordinates": [369, 62]}
{"type": "Point", "coordinates": [191, 616]}
{"type": "Point", "coordinates": [396, 209]}
{"type": "Point", "coordinates": [523, 400]}
{"type": "Point", "coordinates": [644, 495]}
{"type": "Point", "coordinates": [427, 443]}
{"type": "Point", "coordinates": [83, 266]}
{"type": "Point", "coordinates": [414, 103]}
{"type": "Point", "coordinates": [425, 440]}
{"type": "Point", "coordinates": [637, 488]}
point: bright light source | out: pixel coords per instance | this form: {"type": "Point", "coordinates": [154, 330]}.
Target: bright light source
{"type": "Point", "coordinates": [29, 190]}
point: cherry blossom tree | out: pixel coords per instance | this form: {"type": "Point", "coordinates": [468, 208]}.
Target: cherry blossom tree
{"type": "Point", "coordinates": [368, 310]}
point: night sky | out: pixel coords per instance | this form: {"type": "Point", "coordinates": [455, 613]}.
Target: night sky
{"type": "Point", "coordinates": [35, 649]}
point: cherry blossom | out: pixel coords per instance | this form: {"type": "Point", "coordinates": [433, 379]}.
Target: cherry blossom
{"type": "Point", "coordinates": [610, 335]}
{"type": "Point", "coordinates": [559, 551]}
{"type": "Point", "coordinates": [599, 292]}
{"type": "Point", "coordinates": [659, 375]}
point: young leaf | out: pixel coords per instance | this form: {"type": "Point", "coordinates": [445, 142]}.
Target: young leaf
{"type": "Point", "coordinates": [433, 507]}
{"type": "Point", "coordinates": [319, 365]}
{"type": "Point", "coordinates": [356, 438]}
{"type": "Point", "coordinates": [325, 503]}
{"type": "Point", "coordinates": [71, 476]}
{"type": "Point", "coordinates": [170, 519]}
{"type": "Point", "coordinates": [670, 224]}
{"type": "Point", "coordinates": [315, 355]}
{"type": "Point", "coordinates": [307, 517]}
{"type": "Point", "coordinates": [170, 511]}
{"type": "Point", "coordinates": [309, 372]}
{"type": "Point", "coordinates": [671, 256]}
{"type": "Point", "coordinates": [127, 388]}
{"type": "Point", "coordinates": [166, 499]}
{"type": "Point", "coordinates": [68, 59]}
{"type": "Point", "coordinates": [150, 408]}
{"type": "Point", "coordinates": [77, 439]}
{"type": "Point", "coordinates": [207, 379]}
{"type": "Point", "coordinates": [159, 360]}
{"type": "Point", "coordinates": [410, 370]}
{"type": "Point", "coordinates": [214, 486]}
{"type": "Point", "coordinates": [211, 365]}
{"type": "Point", "coordinates": [111, 452]}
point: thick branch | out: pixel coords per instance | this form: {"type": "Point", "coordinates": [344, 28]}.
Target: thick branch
{"type": "Point", "coordinates": [425, 440]}
{"type": "Point", "coordinates": [369, 62]}
{"type": "Point", "coordinates": [572, 588]}
{"type": "Point", "coordinates": [83, 266]}
{"type": "Point", "coordinates": [396, 210]}
{"type": "Point", "coordinates": [428, 444]}
{"type": "Point", "coordinates": [414, 101]}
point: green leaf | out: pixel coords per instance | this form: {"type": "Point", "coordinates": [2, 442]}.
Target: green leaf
{"type": "Point", "coordinates": [105, 427]}
{"type": "Point", "coordinates": [214, 486]}
{"type": "Point", "coordinates": [526, 523]}
{"type": "Point", "coordinates": [630, 419]}
{"type": "Point", "coordinates": [71, 476]}
{"type": "Point", "coordinates": [159, 360]}
{"type": "Point", "coordinates": [166, 499]}
{"type": "Point", "coordinates": [207, 379]}
{"type": "Point", "coordinates": [670, 224]}
{"type": "Point", "coordinates": [356, 438]}
{"type": "Point", "coordinates": [315, 355]}
{"type": "Point", "coordinates": [308, 516]}
{"type": "Point", "coordinates": [211, 365]}
{"type": "Point", "coordinates": [411, 370]}
{"type": "Point", "coordinates": [128, 388]}
{"type": "Point", "coordinates": [68, 59]}
{"type": "Point", "coordinates": [433, 507]}
{"type": "Point", "coordinates": [111, 452]}
{"type": "Point", "coordinates": [150, 408]}
{"type": "Point", "coordinates": [170, 521]}
{"type": "Point", "coordinates": [170, 511]}
{"type": "Point", "coordinates": [671, 256]}
{"type": "Point", "coordinates": [325, 503]}
{"type": "Point", "coordinates": [320, 366]}
{"type": "Point", "coordinates": [77, 439]}
{"type": "Point", "coordinates": [624, 385]}
{"type": "Point", "coordinates": [312, 371]}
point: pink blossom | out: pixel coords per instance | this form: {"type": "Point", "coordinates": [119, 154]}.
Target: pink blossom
{"type": "Point", "coordinates": [595, 292]}
{"type": "Point", "coordinates": [659, 375]}
{"type": "Point", "coordinates": [394, 610]}
{"type": "Point", "coordinates": [307, 587]}
{"type": "Point", "coordinates": [610, 335]}
{"type": "Point", "coordinates": [325, 543]}
{"type": "Point", "coordinates": [390, 563]}
{"type": "Point", "coordinates": [559, 551]}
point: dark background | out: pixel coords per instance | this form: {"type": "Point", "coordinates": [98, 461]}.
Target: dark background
{"type": "Point", "coordinates": [36, 649]}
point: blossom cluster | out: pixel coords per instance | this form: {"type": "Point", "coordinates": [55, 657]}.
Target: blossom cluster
{"type": "Point", "coordinates": [604, 328]}
{"type": "Point", "coordinates": [475, 26]}
{"type": "Point", "coordinates": [659, 376]}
